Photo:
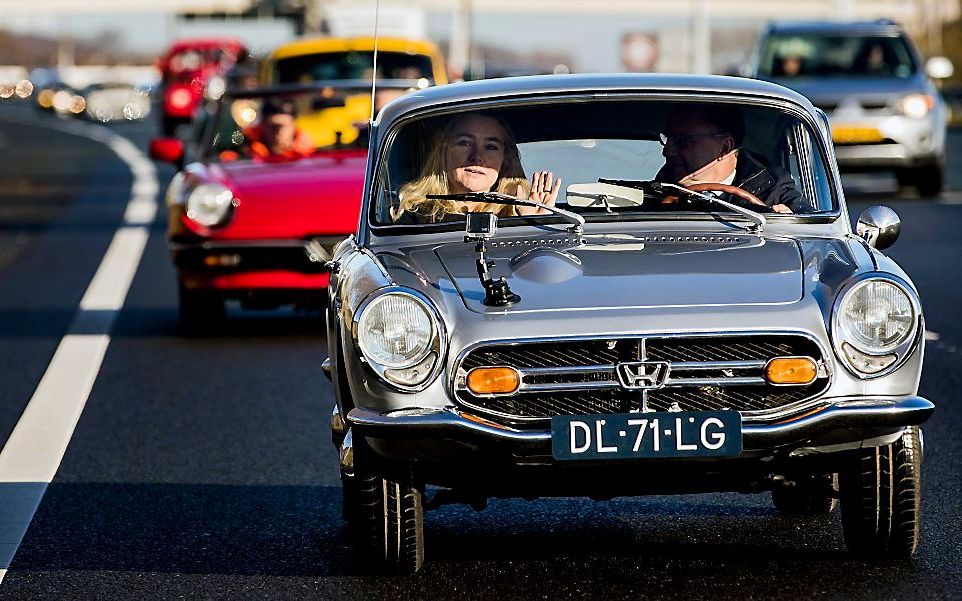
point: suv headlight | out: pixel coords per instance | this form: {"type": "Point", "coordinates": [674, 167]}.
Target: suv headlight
{"type": "Point", "coordinates": [209, 204]}
{"type": "Point", "coordinates": [875, 326]}
{"type": "Point", "coordinates": [399, 334]}
{"type": "Point", "coordinates": [916, 106]}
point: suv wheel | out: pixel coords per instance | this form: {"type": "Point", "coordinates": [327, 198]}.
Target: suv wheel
{"type": "Point", "coordinates": [812, 494]}
{"type": "Point", "coordinates": [881, 498]}
{"type": "Point", "coordinates": [386, 519]}
{"type": "Point", "coordinates": [928, 180]}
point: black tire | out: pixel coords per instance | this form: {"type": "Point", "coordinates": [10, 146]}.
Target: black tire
{"type": "Point", "coordinates": [927, 180]}
{"type": "Point", "coordinates": [811, 495]}
{"type": "Point", "coordinates": [199, 311]}
{"type": "Point", "coordinates": [881, 499]}
{"type": "Point", "coordinates": [386, 521]}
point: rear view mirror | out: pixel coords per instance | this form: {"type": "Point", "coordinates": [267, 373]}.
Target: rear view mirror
{"type": "Point", "coordinates": [167, 150]}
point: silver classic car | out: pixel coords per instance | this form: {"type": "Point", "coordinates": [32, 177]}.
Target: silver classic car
{"type": "Point", "coordinates": [608, 285]}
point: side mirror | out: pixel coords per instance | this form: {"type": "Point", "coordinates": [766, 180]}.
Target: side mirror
{"type": "Point", "coordinates": [879, 227]}
{"type": "Point", "coordinates": [939, 67]}
{"type": "Point", "coordinates": [167, 150]}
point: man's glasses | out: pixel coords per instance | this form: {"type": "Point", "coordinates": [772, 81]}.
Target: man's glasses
{"type": "Point", "coordinates": [683, 141]}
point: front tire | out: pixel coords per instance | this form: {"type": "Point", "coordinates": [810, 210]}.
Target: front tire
{"type": "Point", "coordinates": [881, 499]}
{"type": "Point", "coordinates": [386, 520]}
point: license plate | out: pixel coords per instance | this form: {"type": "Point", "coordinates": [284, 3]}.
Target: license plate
{"type": "Point", "coordinates": [637, 435]}
{"type": "Point", "coordinates": [847, 134]}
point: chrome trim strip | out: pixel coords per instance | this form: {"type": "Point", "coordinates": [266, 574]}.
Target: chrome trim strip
{"type": "Point", "coordinates": [693, 365]}
{"type": "Point", "coordinates": [574, 369]}
{"type": "Point", "coordinates": [566, 386]}
{"type": "Point", "coordinates": [682, 382]}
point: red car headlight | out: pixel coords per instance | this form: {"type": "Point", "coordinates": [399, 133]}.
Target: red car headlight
{"type": "Point", "coordinates": [210, 204]}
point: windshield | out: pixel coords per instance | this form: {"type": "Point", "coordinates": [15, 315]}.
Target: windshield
{"type": "Point", "coordinates": [285, 127]}
{"type": "Point", "coordinates": [353, 65]}
{"type": "Point", "coordinates": [815, 55]}
{"type": "Point", "coordinates": [613, 160]}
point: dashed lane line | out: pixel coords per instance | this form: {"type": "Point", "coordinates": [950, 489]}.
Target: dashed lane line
{"type": "Point", "coordinates": [31, 456]}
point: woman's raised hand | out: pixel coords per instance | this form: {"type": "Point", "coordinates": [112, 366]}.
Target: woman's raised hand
{"type": "Point", "coordinates": [544, 190]}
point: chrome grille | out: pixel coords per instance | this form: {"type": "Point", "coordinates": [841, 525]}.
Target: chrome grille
{"type": "Point", "coordinates": [577, 377]}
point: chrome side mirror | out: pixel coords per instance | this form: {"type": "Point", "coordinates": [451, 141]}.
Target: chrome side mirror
{"type": "Point", "coordinates": [879, 227]}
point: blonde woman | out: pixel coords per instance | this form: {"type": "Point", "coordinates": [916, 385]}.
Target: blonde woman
{"type": "Point", "coordinates": [475, 153]}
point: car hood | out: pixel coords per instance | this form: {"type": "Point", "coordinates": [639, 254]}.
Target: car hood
{"type": "Point", "coordinates": [834, 90]}
{"type": "Point", "coordinates": [318, 195]}
{"type": "Point", "coordinates": [623, 271]}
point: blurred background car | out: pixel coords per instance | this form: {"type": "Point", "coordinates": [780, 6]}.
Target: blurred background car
{"type": "Point", "coordinates": [186, 68]}
{"type": "Point", "coordinates": [115, 101]}
{"type": "Point", "coordinates": [255, 216]}
{"type": "Point", "coordinates": [352, 59]}
{"type": "Point", "coordinates": [870, 80]}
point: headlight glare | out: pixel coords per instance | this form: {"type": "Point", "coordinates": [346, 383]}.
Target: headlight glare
{"type": "Point", "coordinates": [395, 331]}
{"type": "Point", "coordinates": [876, 316]}
{"type": "Point", "coordinates": [917, 106]}
{"type": "Point", "coordinates": [209, 204]}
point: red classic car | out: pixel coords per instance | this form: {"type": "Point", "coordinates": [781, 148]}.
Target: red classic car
{"type": "Point", "coordinates": [186, 69]}
{"type": "Point", "coordinates": [257, 215]}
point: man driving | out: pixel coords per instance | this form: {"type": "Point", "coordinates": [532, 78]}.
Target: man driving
{"type": "Point", "coordinates": [277, 135]}
{"type": "Point", "coordinates": [702, 144]}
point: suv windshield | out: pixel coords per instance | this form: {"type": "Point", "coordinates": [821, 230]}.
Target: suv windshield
{"type": "Point", "coordinates": [613, 159]}
{"type": "Point", "coordinates": [820, 55]}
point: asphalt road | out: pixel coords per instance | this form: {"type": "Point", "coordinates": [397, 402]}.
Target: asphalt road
{"type": "Point", "coordinates": [203, 468]}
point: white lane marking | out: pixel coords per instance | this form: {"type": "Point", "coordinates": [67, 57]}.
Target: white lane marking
{"type": "Point", "coordinates": [930, 335]}
{"type": "Point", "coordinates": [32, 455]}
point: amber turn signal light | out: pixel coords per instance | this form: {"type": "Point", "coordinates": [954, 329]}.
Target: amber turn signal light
{"type": "Point", "coordinates": [791, 370]}
{"type": "Point", "coordinates": [493, 380]}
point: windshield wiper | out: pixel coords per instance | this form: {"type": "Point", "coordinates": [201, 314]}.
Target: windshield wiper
{"type": "Point", "coordinates": [668, 189]}
{"type": "Point", "coordinates": [577, 221]}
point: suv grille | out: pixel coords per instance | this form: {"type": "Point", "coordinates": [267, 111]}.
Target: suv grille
{"type": "Point", "coordinates": [578, 377]}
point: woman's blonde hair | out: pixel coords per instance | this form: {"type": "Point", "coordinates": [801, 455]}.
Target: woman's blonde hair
{"type": "Point", "coordinates": [433, 178]}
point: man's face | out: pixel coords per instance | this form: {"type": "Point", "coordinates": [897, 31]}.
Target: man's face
{"type": "Point", "coordinates": [692, 144]}
{"type": "Point", "coordinates": [279, 131]}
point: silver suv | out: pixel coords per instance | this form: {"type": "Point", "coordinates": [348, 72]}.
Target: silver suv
{"type": "Point", "coordinates": [868, 77]}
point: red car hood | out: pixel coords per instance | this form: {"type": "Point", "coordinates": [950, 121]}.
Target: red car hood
{"type": "Point", "coordinates": [315, 196]}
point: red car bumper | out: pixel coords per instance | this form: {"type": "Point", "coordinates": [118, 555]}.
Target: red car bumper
{"type": "Point", "coordinates": [239, 268]}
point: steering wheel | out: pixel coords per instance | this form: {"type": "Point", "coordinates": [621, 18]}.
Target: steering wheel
{"type": "Point", "coordinates": [744, 195]}
{"type": "Point", "coordinates": [728, 189]}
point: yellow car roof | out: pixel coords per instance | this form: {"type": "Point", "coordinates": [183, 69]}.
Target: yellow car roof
{"type": "Point", "coordinates": [327, 44]}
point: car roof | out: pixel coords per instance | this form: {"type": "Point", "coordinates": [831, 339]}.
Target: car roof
{"type": "Point", "coordinates": [601, 83]}
{"type": "Point", "coordinates": [314, 45]}
{"type": "Point", "coordinates": [879, 27]}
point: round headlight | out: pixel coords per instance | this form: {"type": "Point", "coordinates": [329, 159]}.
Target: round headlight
{"type": "Point", "coordinates": [877, 316]}
{"type": "Point", "coordinates": [209, 204]}
{"type": "Point", "coordinates": [917, 106]}
{"type": "Point", "coordinates": [395, 331]}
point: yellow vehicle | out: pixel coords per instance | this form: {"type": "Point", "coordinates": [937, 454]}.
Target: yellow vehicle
{"type": "Point", "coordinates": [332, 59]}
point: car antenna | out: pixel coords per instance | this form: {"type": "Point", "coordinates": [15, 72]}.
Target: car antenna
{"type": "Point", "coordinates": [377, 9]}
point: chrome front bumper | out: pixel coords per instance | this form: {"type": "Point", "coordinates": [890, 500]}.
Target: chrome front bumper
{"type": "Point", "coordinates": [844, 420]}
